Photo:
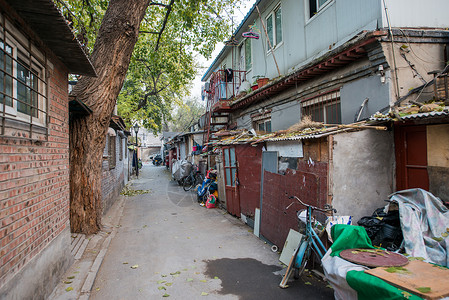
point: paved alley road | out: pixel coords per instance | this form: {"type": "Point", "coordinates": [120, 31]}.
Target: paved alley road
{"type": "Point", "coordinates": [166, 244]}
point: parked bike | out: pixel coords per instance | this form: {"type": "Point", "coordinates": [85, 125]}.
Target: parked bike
{"type": "Point", "coordinates": [208, 188]}
{"type": "Point", "coordinates": [157, 160]}
{"type": "Point", "coordinates": [193, 179]}
{"type": "Point", "coordinates": [309, 243]}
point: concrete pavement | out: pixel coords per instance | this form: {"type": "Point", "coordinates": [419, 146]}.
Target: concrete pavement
{"type": "Point", "coordinates": [163, 244]}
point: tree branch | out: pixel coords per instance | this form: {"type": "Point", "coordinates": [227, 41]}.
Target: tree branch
{"type": "Point", "coordinates": [164, 23]}
{"type": "Point", "coordinates": [150, 32]}
{"type": "Point", "coordinates": [158, 4]}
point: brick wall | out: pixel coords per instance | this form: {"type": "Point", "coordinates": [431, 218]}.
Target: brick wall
{"type": "Point", "coordinates": [34, 184]}
{"type": "Point", "coordinates": [113, 179]}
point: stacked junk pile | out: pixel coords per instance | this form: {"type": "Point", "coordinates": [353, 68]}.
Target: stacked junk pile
{"type": "Point", "coordinates": [384, 227]}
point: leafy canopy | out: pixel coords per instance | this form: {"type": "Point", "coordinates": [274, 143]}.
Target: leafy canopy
{"type": "Point", "coordinates": [172, 34]}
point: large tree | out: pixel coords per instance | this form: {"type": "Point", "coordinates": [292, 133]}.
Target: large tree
{"type": "Point", "coordinates": [190, 25]}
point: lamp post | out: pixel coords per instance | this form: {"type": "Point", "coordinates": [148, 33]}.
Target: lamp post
{"type": "Point", "coordinates": [136, 130]}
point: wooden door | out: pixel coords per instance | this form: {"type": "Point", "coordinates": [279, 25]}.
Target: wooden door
{"type": "Point", "coordinates": [411, 157]}
{"type": "Point", "coordinates": [230, 170]}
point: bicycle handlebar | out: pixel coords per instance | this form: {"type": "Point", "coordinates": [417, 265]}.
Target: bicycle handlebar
{"type": "Point", "coordinates": [326, 209]}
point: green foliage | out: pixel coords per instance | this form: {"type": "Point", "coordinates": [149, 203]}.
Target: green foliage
{"type": "Point", "coordinates": [186, 115]}
{"type": "Point", "coordinates": [163, 63]}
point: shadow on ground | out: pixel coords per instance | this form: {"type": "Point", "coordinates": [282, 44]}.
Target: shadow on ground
{"type": "Point", "coordinates": [250, 279]}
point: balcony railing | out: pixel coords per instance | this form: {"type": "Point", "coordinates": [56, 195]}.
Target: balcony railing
{"type": "Point", "coordinates": [224, 85]}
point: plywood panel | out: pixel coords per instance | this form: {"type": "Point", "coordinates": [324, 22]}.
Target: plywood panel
{"type": "Point", "coordinates": [438, 145]}
{"type": "Point", "coordinates": [419, 274]}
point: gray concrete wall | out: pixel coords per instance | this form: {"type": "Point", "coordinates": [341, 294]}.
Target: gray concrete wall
{"type": "Point", "coordinates": [363, 172]}
{"type": "Point", "coordinates": [39, 277]}
{"type": "Point", "coordinates": [285, 115]}
{"type": "Point", "coordinates": [354, 93]}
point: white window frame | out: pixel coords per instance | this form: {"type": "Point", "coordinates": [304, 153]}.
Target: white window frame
{"type": "Point", "coordinates": [319, 8]}
{"type": "Point", "coordinates": [33, 61]}
{"type": "Point", "coordinates": [272, 14]}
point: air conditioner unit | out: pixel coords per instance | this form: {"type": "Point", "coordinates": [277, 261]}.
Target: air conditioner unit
{"type": "Point", "coordinates": [207, 87]}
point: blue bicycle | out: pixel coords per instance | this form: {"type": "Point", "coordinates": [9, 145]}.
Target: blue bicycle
{"type": "Point", "coordinates": [310, 242]}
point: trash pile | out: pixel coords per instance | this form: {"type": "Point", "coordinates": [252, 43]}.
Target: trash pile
{"type": "Point", "coordinates": [384, 227]}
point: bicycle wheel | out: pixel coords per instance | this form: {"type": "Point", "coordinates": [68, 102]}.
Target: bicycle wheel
{"type": "Point", "coordinates": [187, 183]}
{"type": "Point", "coordinates": [301, 259]}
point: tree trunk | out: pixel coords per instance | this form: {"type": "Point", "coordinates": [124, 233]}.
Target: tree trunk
{"type": "Point", "coordinates": [111, 56]}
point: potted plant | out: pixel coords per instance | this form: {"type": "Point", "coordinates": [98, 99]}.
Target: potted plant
{"type": "Point", "coordinates": [261, 80]}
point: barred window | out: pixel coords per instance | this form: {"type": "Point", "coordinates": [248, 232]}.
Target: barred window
{"type": "Point", "coordinates": [111, 152]}
{"type": "Point", "coordinates": [23, 86]}
{"type": "Point", "coordinates": [323, 108]}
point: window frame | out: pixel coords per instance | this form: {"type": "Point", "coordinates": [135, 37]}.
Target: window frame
{"type": "Point", "coordinates": [261, 118]}
{"type": "Point", "coordinates": [273, 40]}
{"type": "Point", "coordinates": [319, 8]}
{"type": "Point", "coordinates": [112, 157]}
{"type": "Point", "coordinates": [24, 56]}
{"type": "Point", "coordinates": [323, 101]}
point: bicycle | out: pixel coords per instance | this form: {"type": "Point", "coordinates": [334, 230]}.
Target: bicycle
{"type": "Point", "coordinates": [310, 242]}
{"type": "Point", "coordinates": [193, 179]}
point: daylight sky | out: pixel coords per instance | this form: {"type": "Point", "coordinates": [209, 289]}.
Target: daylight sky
{"type": "Point", "coordinates": [238, 16]}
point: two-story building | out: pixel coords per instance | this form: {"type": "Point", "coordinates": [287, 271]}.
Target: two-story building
{"type": "Point", "coordinates": [338, 62]}
{"type": "Point", "coordinates": [37, 52]}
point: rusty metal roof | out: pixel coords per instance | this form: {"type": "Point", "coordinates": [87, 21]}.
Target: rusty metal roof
{"type": "Point", "coordinates": [48, 23]}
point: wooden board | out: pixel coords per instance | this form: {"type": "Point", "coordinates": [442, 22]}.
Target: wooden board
{"type": "Point", "coordinates": [420, 274]}
{"type": "Point", "coordinates": [290, 246]}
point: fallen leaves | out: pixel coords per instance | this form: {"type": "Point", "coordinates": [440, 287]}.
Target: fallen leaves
{"type": "Point", "coordinates": [134, 266]}
{"type": "Point", "coordinates": [424, 289]}
{"type": "Point", "coordinates": [69, 289]}
{"type": "Point", "coordinates": [127, 191]}
{"type": "Point", "coordinates": [165, 295]}
{"type": "Point", "coordinates": [161, 288]}
{"type": "Point", "coordinates": [161, 281]}
{"type": "Point", "coordinates": [204, 294]}
{"type": "Point", "coordinates": [67, 282]}
{"type": "Point", "coordinates": [70, 277]}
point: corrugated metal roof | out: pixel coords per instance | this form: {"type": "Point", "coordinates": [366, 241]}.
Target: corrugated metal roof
{"type": "Point", "coordinates": [246, 137]}
{"type": "Point", "coordinates": [418, 116]}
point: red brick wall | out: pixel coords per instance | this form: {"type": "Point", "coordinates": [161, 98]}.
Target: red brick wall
{"type": "Point", "coordinates": [34, 184]}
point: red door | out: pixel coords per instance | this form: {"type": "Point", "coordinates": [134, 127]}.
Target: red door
{"type": "Point", "coordinates": [411, 157]}
{"type": "Point", "coordinates": [249, 175]}
{"type": "Point", "coordinates": [230, 168]}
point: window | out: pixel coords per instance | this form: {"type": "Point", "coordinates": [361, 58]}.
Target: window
{"type": "Point", "coordinates": [264, 126]}
{"type": "Point", "coordinates": [262, 121]}
{"type": "Point", "coordinates": [22, 83]}
{"type": "Point", "coordinates": [248, 59]}
{"type": "Point", "coordinates": [120, 149]}
{"type": "Point", "coordinates": [111, 152]}
{"type": "Point", "coordinates": [274, 28]}
{"type": "Point", "coordinates": [316, 5]}
{"type": "Point", "coordinates": [324, 108]}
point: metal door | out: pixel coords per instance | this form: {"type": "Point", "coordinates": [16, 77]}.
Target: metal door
{"type": "Point", "coordinates": [230, 170]}
{"type": "Point", "coordinates": [250, 160]}
{"type": "Point", "coordinates": [411, 157]}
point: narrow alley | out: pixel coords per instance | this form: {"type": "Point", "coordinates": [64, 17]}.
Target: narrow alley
{"type": "Point", "coordinates": [166, 244]}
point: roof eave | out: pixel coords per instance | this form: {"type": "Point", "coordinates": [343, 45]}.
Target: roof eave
{"type": "Point", "coordinates": [45, 19]}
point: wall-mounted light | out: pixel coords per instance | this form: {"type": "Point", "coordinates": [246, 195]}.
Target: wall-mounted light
{"type": "Point", "coordinates": [381, 73]}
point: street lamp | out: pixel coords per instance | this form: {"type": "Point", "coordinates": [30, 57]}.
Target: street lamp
{"type": "Point", "coordinates": [136, 130]}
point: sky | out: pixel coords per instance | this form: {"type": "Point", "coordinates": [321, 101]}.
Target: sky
{"type": "Point", "coordinates": [238, 16]}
